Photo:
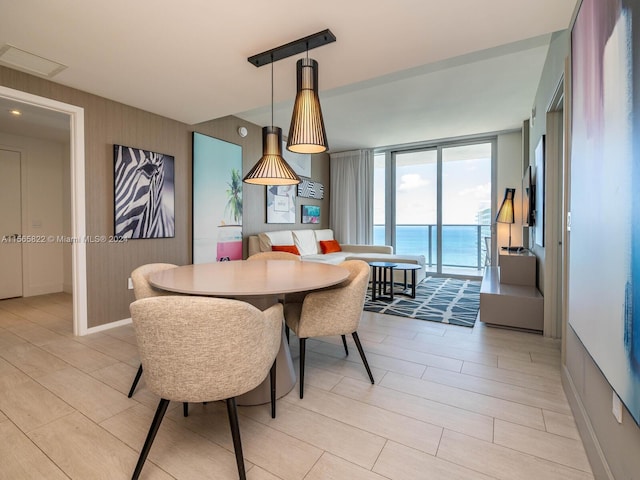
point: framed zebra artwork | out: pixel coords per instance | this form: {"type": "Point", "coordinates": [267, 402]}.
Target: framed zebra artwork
{"type": "Point", "coordinates": [143, 193]}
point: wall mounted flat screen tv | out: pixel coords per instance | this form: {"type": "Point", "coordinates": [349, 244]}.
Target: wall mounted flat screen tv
{"type": "Point", "coordinates": [528, 199]}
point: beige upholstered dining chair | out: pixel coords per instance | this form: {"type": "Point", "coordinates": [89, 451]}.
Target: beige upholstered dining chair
{"type": "Point", "coordinates": [200, 349]}
{"type": "Point", "coordinates": [143, 289]}
{"type": "Point", "coordinates": [332, 311]}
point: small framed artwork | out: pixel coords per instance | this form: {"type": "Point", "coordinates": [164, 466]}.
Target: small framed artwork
{"type": "Point", "coordinates": [281, 206]}
{"type": "Point", "coordinates": [143, 193]}
{"type": "Point", "coordinates": [310, 213]}
{"type": "Point", "coordinates": [309, 189]}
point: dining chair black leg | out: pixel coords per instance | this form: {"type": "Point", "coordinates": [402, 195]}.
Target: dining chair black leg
{"type": "Point", "coordinates": [356, 339]}
{"type": "Point", "coordinates": [272, 380]}
{"type": "Point", "coordinates": [344, 342]}
{"type": "Point", "coordinates": [185, 409]}
{"type": "Point", "coordinates": [303, 343]}
{"type": "Point", "coordinates": [232, 412]}
{"type": "Point", "coordinates": [157, 419]}
{"type": "Point", "coordinates": [135, 381]}
{"type": "Point", "coordinates": [286, 332]}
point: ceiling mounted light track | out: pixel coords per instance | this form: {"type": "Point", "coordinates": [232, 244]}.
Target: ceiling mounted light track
{"type": "Point", "coordinates": [293, 48]}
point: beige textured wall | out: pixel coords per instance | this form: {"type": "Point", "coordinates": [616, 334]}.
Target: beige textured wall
{"type": "Point", "coordinates": [106, 123]}
{"type": "Point", "coordinates": [590, 396]}
{"type": "Point", "coordinates": [509, 175]}
{"type": "Point", "coordinates": [551, 76]}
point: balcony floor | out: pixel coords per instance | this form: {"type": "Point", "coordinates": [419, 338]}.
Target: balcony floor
{"type": "Point", "coordinates": [466, 272]}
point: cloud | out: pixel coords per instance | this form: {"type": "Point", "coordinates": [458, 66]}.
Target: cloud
{"type": "Point", "coordinates": [479, 191]}
{"type": "Point", "coordinates": [411, 181]}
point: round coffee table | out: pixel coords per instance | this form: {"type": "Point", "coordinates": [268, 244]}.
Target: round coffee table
{"type": "Point", "coordinates": [412, 267]}
{"type": "Point", "coordinates": [382, 284]}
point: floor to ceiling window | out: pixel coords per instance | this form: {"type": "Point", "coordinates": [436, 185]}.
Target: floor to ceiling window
{"type": "Point", "coordinates": [436, 201]}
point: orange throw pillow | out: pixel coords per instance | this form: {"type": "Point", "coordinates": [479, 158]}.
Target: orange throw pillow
{"type": "Point", "coordinates": [330, 246]}
{"type": "Point", "coordinates": [285, 248]}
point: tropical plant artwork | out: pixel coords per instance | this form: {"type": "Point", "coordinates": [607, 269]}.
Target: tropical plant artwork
{"type": "Point", "coordinates": [217, 200]}
{"type": "Point", "coordinates": [234, 197]}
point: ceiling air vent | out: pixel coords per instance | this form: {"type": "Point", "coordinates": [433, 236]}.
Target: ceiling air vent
{"type": "Point", "coordinates": [28, 62]}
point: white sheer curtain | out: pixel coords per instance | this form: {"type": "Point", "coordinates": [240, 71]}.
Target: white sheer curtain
{"type": "Point", "coordinates": [352, 196]}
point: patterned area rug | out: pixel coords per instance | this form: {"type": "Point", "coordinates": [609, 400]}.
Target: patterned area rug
{"type": "Point", "coordinates": [438, 299]}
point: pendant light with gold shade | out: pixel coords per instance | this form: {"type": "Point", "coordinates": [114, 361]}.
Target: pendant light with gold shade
{"type": "Point", "coordinates": [271, 169]}
{"type": "Point", "coordinates": [307, 133]}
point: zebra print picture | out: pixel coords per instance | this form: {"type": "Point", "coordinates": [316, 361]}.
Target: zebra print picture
{"type": "Point", "coordinates": [144, 193]}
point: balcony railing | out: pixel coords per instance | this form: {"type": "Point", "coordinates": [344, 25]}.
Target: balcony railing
{"type": "Point", "coordinates": [462, 245]}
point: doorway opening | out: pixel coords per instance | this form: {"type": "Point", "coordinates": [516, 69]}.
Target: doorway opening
{"type": "Point", "coordinates": [555, 287]}
{"type": "Point", "coordinates": [77, 184]}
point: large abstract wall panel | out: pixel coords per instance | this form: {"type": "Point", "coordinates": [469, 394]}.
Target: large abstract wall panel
{"type": "Point", "coordinates": [217, 200]}
{"type": "Point", "coordinates": [604, 287]}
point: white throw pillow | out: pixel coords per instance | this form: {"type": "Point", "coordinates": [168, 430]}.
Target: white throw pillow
{"type": "Point", "coordinates": [279, 237]}
{"type": "Point", "coordinates": [305, 240]}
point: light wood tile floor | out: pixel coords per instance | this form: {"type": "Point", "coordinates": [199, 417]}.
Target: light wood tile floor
{"type": "Point", "coordinates": [449, 403]}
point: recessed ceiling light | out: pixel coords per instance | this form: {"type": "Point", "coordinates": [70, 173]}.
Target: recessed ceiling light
{"type": "Point", "coordinates": [29, 62]}
{"type": "Point", "coordinates": [15, 112]}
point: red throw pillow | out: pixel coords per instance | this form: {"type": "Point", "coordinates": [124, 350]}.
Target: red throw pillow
{"type": "Point", "coordinates": [285, 248]}
{"type": "Point", "coordinates": [330, 246]}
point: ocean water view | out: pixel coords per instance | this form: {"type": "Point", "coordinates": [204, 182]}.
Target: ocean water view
{"type": "Point", "coordinates": [462, 245]}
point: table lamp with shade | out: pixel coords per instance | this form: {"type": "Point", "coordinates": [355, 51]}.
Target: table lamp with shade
{"type": "Point", "coordinates": [505, 213]}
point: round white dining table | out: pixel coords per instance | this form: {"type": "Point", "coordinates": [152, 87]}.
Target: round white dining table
{"type": "Point", "coordinates": [259, 282]}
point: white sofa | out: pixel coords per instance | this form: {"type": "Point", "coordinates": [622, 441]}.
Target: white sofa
{"type": "Point", "coordinates": [308, 243]}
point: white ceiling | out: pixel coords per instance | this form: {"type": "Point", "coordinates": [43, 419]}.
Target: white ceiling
{"type": "Point", "coordinates": [400, 72]}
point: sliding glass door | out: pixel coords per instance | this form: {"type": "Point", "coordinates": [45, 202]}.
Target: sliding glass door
{"type": "Point", "coordinates": [436, 201]}
{"type": "Point", "coordinates": [416, 201]}
{"type": "Point", "coordinates": [466, 204]}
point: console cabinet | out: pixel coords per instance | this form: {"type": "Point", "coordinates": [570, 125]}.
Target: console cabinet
{"type": "Point", "coordinates": [508, 294]}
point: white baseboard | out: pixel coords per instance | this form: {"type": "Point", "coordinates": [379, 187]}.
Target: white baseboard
{"type": "Point", "coordinates": [108, 326]}
{"type": "Point", "coordinates": [32, 291]}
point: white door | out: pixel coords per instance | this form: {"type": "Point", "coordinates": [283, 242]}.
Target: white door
{"type": "Point", "coordinates": [10, 225]}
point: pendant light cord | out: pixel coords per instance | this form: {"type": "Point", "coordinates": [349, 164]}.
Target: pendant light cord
{"type": "Point", "coordinates": [272, 90]}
